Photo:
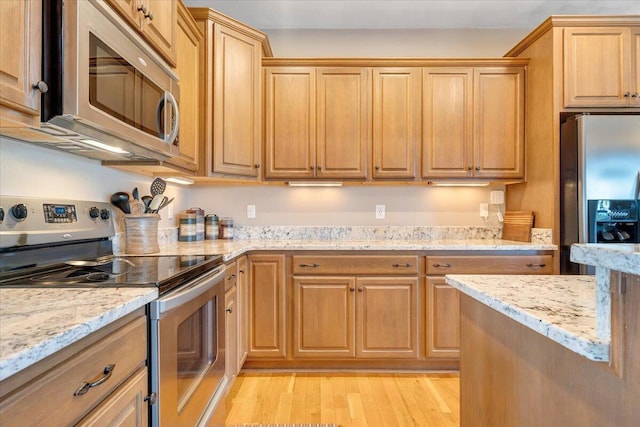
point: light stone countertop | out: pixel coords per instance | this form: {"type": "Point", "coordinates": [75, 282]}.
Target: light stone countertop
{"type": "Point", "coordinates": [561, 308]}
{"type": "Point", "coordinates": [623, 257]}
{"type": "Point", "coordinates": [35, 323]}
{"type": "Point", "coordinates": [233, 248]}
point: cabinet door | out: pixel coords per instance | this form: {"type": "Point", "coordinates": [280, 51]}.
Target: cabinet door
{"type": "Point", "coordinates": [597, 66]}
{"type": "Point", "coordinates": [499, 122]}
{"type": "Point", "coordinates": [159, 25]}
{"type": "Point", "coordinates": [236, 103]}
{"type": "Point", "coordinates": [447, 149]}
{"type": "Point", "coordinates": [443, 319]}
{"type": "Point", "coordinates": [231, 334]}
{"type": "Point", "coordinates": [243, 311]}
{"type": "Point", "coordinates": [323, 324]}
{"type": "Point", "coordinates": [396, 122]}
{"type": "Point", "coordinates": [188, 39]}
{"type": "Point", "coordinates": [267, 306]}
{"type": "Point", "coordinates": [290, 128]}
{"type": "Point", "coordinates": [128, 9]}
{"type": "Point", "coordinates": [635, 75]}
{"type": "Point", "coordinates": [386, 317]}
{"type": "Point", "coordinates": [21, 35]}
{"type": "Point", "coordinates": [343, 122]}
{"type": "Point", "coordinates": [125, 407]}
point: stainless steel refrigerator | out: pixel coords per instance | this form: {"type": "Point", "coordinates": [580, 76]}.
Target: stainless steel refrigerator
{"type": "Point", "coordinates": [600, 182]}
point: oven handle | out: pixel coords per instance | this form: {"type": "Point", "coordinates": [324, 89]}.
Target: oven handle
{"type": "Point", "coordinates": [187, 293]}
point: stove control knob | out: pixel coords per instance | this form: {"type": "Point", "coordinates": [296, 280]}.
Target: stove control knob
{"type": "Point", "coordinates": [105, 214]}
{"type": "Point", "coordinates": [19, 212]}
{"type": "Point", "coordinates": [94, 212]}
{"type": "Point", "coordinates": [1, 215]}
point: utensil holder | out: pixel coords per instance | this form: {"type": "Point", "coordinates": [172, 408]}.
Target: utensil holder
{"type": "Point", "coordinates": [141, 233]}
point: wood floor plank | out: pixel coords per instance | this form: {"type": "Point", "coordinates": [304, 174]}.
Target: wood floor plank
{"type": "Point", "coordinates": [348, 399]}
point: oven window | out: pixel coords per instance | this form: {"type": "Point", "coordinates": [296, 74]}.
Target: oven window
{"type": "Point", "coordinates": [120, 90]}
{"type": "Point", "coordinates": [197, 349]}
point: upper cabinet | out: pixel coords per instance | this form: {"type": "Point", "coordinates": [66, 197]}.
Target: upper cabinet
{"type": "Point", "coordinates": [21, 37]}
{"type": "Point", "coordinates": [231, 63]}
{"type": "Point", "coordinates": [601, 67]}
{"type": "Point", "coordinates": [155, 20]}
{"type": "Point", "coordinates": [473, 122]}
{"type": "Point", "coordinates": [396, 122]}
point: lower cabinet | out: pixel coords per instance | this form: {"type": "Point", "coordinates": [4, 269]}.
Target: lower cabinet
{"type": "Point", "coordinates": [242, 284]}
{"type": "Point", "coordinates": [231, 334]}
{"type": "Point", "coordinates": [48, 393]}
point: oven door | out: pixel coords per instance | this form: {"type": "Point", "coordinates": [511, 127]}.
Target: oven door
{"type": "Point", "coordinates": [187, 350]}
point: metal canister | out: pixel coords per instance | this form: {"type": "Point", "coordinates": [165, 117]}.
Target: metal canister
{"type": "Point", "coordinates": [199, 222]}
{"type": "Point", "coordinates": [211, 227]}
{"type": "Point", "coordinates": [226, 228]}
{"type": "Point", "coordinates": [187, 227]}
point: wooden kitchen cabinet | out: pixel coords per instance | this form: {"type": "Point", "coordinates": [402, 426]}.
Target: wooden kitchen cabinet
{"type": "Point", "coordinates": [267, 306]}
{"type": "Point", "coordinates": [20, 62]}
{"type": "Point", "coordinates": [343, 121]}
{"type": "Point", "coordinates": [447, 108]}
{"type": "Point", "coordinates": [600, 67]}
{"type": "Point", "coordinates": [231, 334]}
{"type": "Point", "coordinates": [396, 122]}
{"type": "Point", "coordinates": [231, 97]}
{"type": "Point", "coordinates": [290, 122]}
{"type": "Point", "coordinates": [188, 40]}
{"type": "Point", "coordinates": [155, 19]}
{"type": "Point", "coordinates": [44, 393]}
{"type": "Point", "coordinates": [473, 121]}
{"type": "Point", "coordinates": [242, 285]}
{"type": "Point", "coordinates": [442, 334]}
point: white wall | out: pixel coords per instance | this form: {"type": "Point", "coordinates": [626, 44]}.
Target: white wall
{"type": "Point", "coordinates": [29, 170]}
{"type": "Point", "coordinates": [452, 43]}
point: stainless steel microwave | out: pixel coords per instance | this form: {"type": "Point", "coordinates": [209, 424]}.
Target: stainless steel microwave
{"type": "Point", "coordinates": [109, 97]}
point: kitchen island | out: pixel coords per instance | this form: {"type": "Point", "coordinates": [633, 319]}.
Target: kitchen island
{"type": "Point", "coordinates": [553, 350]}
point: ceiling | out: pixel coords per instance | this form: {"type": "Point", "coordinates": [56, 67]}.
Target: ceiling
{"type": "Point", "coordinates": [410, 14]}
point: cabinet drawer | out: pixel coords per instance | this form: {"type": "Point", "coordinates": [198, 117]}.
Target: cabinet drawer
{"type": "Point", "coordinates": [231, 276]}
{"type": "Point", "coordinates": [50, 400]}
{"type": "Point", "coordinates": [525, 264]}
{"type": "Point", "coordinates": [355, 264]}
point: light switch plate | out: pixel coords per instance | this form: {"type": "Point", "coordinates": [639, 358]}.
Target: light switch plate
{"type": "Point", "coordinates": [251, 211]}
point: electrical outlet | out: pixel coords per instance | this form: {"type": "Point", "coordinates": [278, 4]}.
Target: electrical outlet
{"type": "Point", "coordinates": [497, 197]}
{"type": "Point", "coordinates": [380, 211]}
{"type": "Point", "coordinates": [169, 211]}
{"type": "Point", "coordinates": [251, 211]}
{"type": "Point", "coordinates": [484, 210]}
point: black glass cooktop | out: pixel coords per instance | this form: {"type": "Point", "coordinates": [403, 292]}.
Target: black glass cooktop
{"type": "Point", "coordinates": [164, 272]}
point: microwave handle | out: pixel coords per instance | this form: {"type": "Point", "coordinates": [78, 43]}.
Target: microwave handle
{"type": "Point", "coordinates": [168, 97]}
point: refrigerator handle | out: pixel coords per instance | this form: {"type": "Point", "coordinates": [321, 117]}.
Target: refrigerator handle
{"type": "Point", "coordinates": [638, 186]}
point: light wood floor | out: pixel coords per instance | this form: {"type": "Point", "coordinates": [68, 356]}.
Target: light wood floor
{"type": "Point", "coordinates": [349, 399]}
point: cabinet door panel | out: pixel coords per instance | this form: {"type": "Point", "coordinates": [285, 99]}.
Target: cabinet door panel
{"type": "Point", "coordinates": [447, 122]}
{"type": "Point", "coordinates": [267, 319]}
{"type": "Point", "coordinates": [161, 29]}
{"type": "Point", "coordinates": [231, 334]}
{"type": "Point", "coordinates": [597, 66]}
{"type": "Point", "coordinates": [635, 72]}
{"type": "Point", "coordinates": [236, 108]}
{"type": "Point", "coordinates": [443, 319]}
{"type": "Point", "coordinates": [290, 128]}
{"type": "Point", "coordinates": [20, 30]}
{"type": "Point", "coordinates": [324, 316]}
{"type": "Point", "coordinates": [243, 311]}
{"type": "Point", "coordinates": [343, 111]}
{"type": "Point", "coordinates": [396, 122]}
{"type": "Point", "coordinates": [386, 317]}
{"type": "Point", "coordinates": [499, 122]}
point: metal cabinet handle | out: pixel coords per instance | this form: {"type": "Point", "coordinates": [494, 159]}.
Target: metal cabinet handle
{"type": "Point", "coordinates": [319, 168]}
{"type": "Point", "coordinates": [401, 265]}
{"type": "Point", "coordinates": [142, 8]}
{"type": "Point", "coordinates": [635, 95]}
{"type": "Point", "coordinates": [241, 271]}
{"type": "Point", "coordinates": [442, 265]}
{"type": "Point", "coordinates": [257, 166]}
{"type": "Point", "coordinates": [477, 168]}
{"type": "Point", "coordinates": [233, 276]}
{"type": "Point", "coordinates": [151, 398]}
{"type": "Point", "coordinates": [536, 265]}
{"type": "Point", "coordinates": [41, 86]}
{"type": "Point", "coordinates": [627, 94]}
{"type": "Point", "coordinates": [314, 265]}
{"type": "Point", "coordinates": [84, 387]}
{"type": "Point", "coordinates": [351, 289]}
{"type": "Point", "coordinates": [377, 167]}
{"type": "Point", "coordinates": [469, 168]}
{"type": "Point", "coordinates": [229, 310]}
{"type": "Point", "coordinates": [361, 288]}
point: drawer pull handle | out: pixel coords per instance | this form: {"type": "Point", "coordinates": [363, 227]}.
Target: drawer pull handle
{"type": "Point", "coordinates": [229, 310]}
{"type": "Point", "coordinates": [351, 289]}
{"type": "Point", "coordinates": [406, 265]}
{"type": "Point", "coordinates": [233, 276]}
{"type": "Point", "coordinates": [314, 265]}
{"type": "Point", "coordinates": [241, 271]}
{"type": "Point", "coordinates": [106, 374]}
{"type": "Point", "coordinates": [361, 288]}
{"type": "Point", "coordinates": [442, 265]}
{"type": "Point", "coordinates": [151, 398]}
{"type": "Point", "coordinates": [536, 265]}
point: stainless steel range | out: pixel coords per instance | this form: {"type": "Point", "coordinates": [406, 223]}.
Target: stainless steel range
{"type": "Point", "coordinates": [67, 244]}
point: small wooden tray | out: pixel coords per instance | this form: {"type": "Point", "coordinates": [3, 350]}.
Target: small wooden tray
{"type": "Point", "coordinates": [517, 225]}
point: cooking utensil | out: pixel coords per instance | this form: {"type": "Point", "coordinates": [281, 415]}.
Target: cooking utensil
{"type": "Point", "coordinates": [158, 186]}
{"type": "Point", "coordinates": [97, 262]}
{"type": "Point", "coordinates": [134, 193]}
{"type": "Point", "coordinates": [121, 201]}
{"type": "Point", "coordinates": [146, 200]}
{"type": "Point", "coordinates": [165, 202]}
{"type": "Point", "coordinates": [155, 203]}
